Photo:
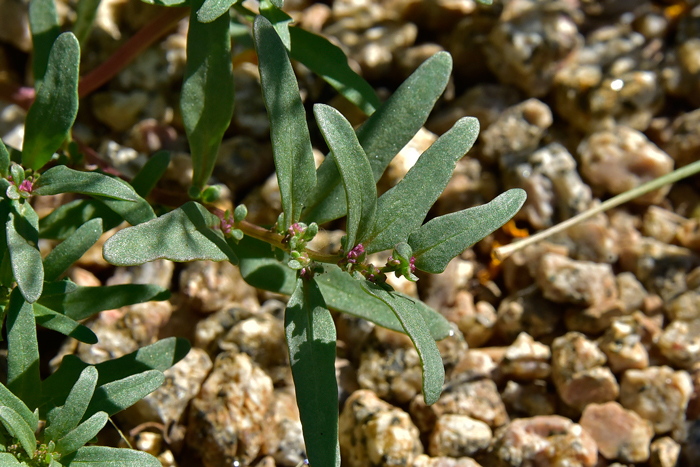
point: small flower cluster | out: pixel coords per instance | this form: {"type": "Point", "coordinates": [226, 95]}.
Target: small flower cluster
{"type": "Point", "coordinates": [401, 263]}
{"type": "Point", "coordinates": [297, 237]}
{"type": "Point", "coordinates": [230, 221]}
{"type": "Point", "coordinates": [20, 185]}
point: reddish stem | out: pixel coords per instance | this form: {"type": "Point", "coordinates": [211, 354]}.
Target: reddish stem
{"type": "Point", "coordinates": [19, 95]}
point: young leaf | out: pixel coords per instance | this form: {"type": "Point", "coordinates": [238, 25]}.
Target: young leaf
{"type": "Point", "coordinates": [415, 328]}
{"type": "Point", "coordinates": [51, 116]}
{"type": "Point", "coordinates": [61, 323]}
{"type": "Point", "coordinates": [65, 220]}
{"type": "Point", "coordinates": [87, 10]}
{"type": "Point", "coordinates": [61, 179]}
{"type": "Point", "coordinates": [22, 241]}
{"type": "Point", "coordinates": [388, 130]}
{"type": "Point", "coordinates": [43, 22]}
{"type": "Point", "coordinates": [82, 434]}
{"type": "Point", "coordinates": [291, 144]}
{"type": "Point", "coordinates": [279, 19]}
{"type": "Point", "coordinates": [311, 338]}
{"type": "Point", "coordinates": [181, 235]}
{"type": "Point", "coordinates": [121, 394]}
{"type": "Point", "coordinates": [402, 209]}
{"type": "Point", "coordinates": [72, 249]}
{"type": "Point", "coordinates": [207, 92]}
{"type": "Point", "coordinates": [86, 301]}
{"type": "Point", "coordinates": [7, 399]}
{"type": "Point", "coordinates": [22, 350]}
{"type": "Point", "coordinates": [64, 419]}
{"type": "Point", "coordinates": [17, 427]}
{"type": "Point", "coordinates": [355, 171]}
{"type": "Point", "coordinates": [97, 456]}
{"type": "Point", "coordinates": [443, 238]}
{"type": "Point", "coordinates": [4, 162]}
{"type": "Point", "coordinates": [150, 173]}
{"type": "Point", "coordinates": [212, 9]}
{"type": "Point", "coordinates": [327, 60]}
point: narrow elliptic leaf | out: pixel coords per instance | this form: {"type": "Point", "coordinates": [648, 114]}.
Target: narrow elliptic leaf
{"type": "Point", "coordinates": [327, 60]}
{"type": "Point", "coordinates": [383, 135]}
{"type": "Point", "coordinates": [150, 173]}
{"type": "Point", "coordinates": [414, 326]}
{"type": "Point", "coordinates": [58, 322]}
{"type": "Point", "coordinates": [17, 427]}
{"type": "Point", "coordinates": [87, 10]}
{"type": "Point", "coordinates": [4, 162]}
{"type": "Point", "coordinates": [8, 459]}
{"type": "Point", "coordinates": [123, 393]}
{"type": "Point", "coordinates": [355, 171]}
{"type": "Point", "coordinates": [81, 434]}
{"type": "Point", "coordinates": [279, 19]}
{"type": "Point", "coordinates": [438, 241]}
{"type": "Point", "coordinates": [86, 301]}
{"type": "Point", "coordinates": [22, 351]}
{"type": "Point", "coordinates": [158, 356]}
{"type": "Point", "coordinates": [63, 287]}
{"type": "Point", "coordinates": [402, 209]}
{"type": "Point", "coordinates": [7, 399]}
{"type": "Point", "coordinates": [65, 220]}
{"type": "Point", "coordinates": [181, 235]}
{"type": "Point", "coordinates": [62, 420]}
{"type": "Point", "coordinates": [212, 9]}
{"type": "Point", "coordinates": [311, 338]}
{"type": "Point", "coordinates": [134, 213]}
{"type": "Point", "coordinates": [61, 179]}
{"type": "Point", "coordinates": [72, 249]}
{"type": "Point", "coordinates": [101, 456]}
{"type": "Point", "coordinates": [22, 241]}
{"type": "Point", "coordinates": [43, 22]}
{"type": "Point", "coordinates": [207, 92]}
{"type": "Point", "coordinates": [291, 144]}
{"type": "Point", "coordinates": [55, 106]}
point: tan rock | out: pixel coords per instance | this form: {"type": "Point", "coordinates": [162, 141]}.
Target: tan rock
{"type": "Point", "coordinates": [620, 434]}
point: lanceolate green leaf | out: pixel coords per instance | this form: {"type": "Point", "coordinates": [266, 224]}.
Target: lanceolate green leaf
{"type": "Point", "coordinates": [150, 173]}
{"type": "Point", "coordinates": [43, 21]}
{"type": "Point", "coordinates": [22, 241]}
{"type": "Point", "coordinates": [64, 419]}
{"type": "Point", "coordinates": [61, 179]}
{"type": "Point", "coordinates": [22, 351]}
{"type": "Point", "coordinates": [443, 238]}
{"type": "Point", "coordinates": [8, 459]}
{"type": "Point", "coordinates": [72, 249]}
{"type": "Point", "coordinates": [81, 434]}
{"type": "Point", "coordinates": [134, 213]}
{"type": "Point", "coordinates": [16, 425]}
{"type": "Point", "coordinates": [311, 338]}
{"type": "Point", "coordinates": [7, 399]}
{"type": "Point", "coordinates": [291, 144]}
{"type": "Point", "coordinates": [99, 456]}
{"type": "Point", "coordinates": [402, 209]}
{"type": "Point", "coordinates": [212, 9]}
{"type": "Point", "coordinates": [86, 301]}
{"type": "Point", "coordinates": [51, 116]}
{"type": "Point", "coordinates": [61, 323]}
{"type": "Point", "coordinates": [355, 171]}
{"type": "Point", "coordinates": [207, 92]}
{"type": "Point", "coordinates": [414, 326]}
{"type": "Point", "coordinates": [383, 135]}
{"type": "Point", "coordinates": [279, 19]}
{"type": "Point", "coordinates": [181, 235]}
{"type": "Point", "coordinates": [118, 395]}
{"type": "Point", "coordinates": [328, 61]}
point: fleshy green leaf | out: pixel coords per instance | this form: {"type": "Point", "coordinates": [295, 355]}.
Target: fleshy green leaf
{"type": "Point", "coordinates": [61, 179]}
{"type": "Point", "coordinates": [65, 220]}
{"type": "Point", "coordinates": [4, 162]}
{"type": "Point", "coordinates": [9, 460]}
{"type": "Point", "coordinates": [402, 209]}
{"type": "Point", "coordinates": [414, 326]}
{"type": "Point", "coordinates": [22, 350]}
{"type": "Point", "coordinates": [311, 338]}
{"type": "Point", "coordinates": [86, 301]}
{"type": "Point", "coordinates": [134, 213]}
{"type": "Point", "coordinates": [279, 19]}
{"type": "Point", "coordinates": [150, 173]}
{"type": "Point", "coordinates": [207, 92]}
{"type": "Point", "coordinates": [291, 144]}
{"type": "Point", "coordinates": [443, 238]}
{"type": "Point", "coordinates": [58, 288]}
{"type": "Point", "coordinates": [123, 393]}
{"type": "Point", "coordinates": [101, 456]}
{"type": "Point", "coordinates": [355, 171]}
{"type": "Point", "coordinates": [51, 116]}
{"type": "Point", "coordinates": [72, 249]}
{"type": "Point", "coordinates": [43, 22]}
{"type": "Point", "coordinates": [7, 399]}
{"type": "Point", "coordinates": [212, 9]}
{"type": "Point", "coordinates": [383, 135]}
{"type": "Point", "coordinates": [181, 235]}
{"type": "Point", "coordinates": [16, 425]}
{"type": "Point", "coordinates": [61, 323]}
{"type": "Point", "coordinates": [62, 420]}
{"type": "Point", "coordinates": [87, 10]}
{"type": "Point", "coordinates": [81, 434]}
{"type": "Point", "coordinates": [327, 60]}
{"type": "Point", "coordinates": [22, 238]}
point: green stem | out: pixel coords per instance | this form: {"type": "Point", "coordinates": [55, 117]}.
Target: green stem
{"type": "Point", "coordinates": [503, 252]}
